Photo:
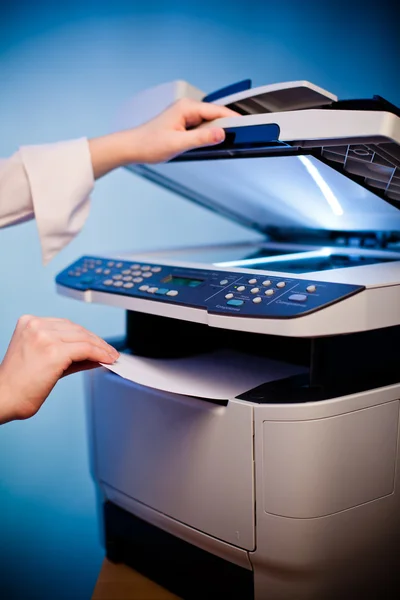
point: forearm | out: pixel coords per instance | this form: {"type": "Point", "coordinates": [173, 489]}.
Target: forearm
{"type": "Point", "coordinates": [114, 150]}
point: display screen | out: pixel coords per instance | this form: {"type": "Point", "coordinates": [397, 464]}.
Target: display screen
{"type": "Point", "coordinates": [187, 281]}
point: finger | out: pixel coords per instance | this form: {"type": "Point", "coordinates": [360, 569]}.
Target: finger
{"type": "Point", "coordinates": [79, 351]}
{"type": "Point", "coordinates": [72, 336]}
{"type": "Point", "coordinates": [197, 112]}
{"type": "Point", "coordinates": [77, 367]}
{"type": "Point", "coordinates": [198, 137]}
{"type": "Point", "coordinates": [66, 328]}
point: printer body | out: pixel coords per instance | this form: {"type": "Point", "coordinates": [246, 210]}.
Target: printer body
{"type": "Point", "coordinates": [288, 489]}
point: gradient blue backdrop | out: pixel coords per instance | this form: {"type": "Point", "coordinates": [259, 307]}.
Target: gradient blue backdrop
{"type": "Point", "coordinates": [65, 68]}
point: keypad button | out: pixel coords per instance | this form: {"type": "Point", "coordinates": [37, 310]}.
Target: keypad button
{"type": "Point", "coordinates": [126, 272]}
{"type": "Point", "coordinates": [119, 265]}
{"type": "Point", "coordinates": [162, 291]}
{"type": "Point", "coordinates": [311, 288]}
{"type": "Point", "coordinates": [241, 288]}
{"type": "Point", "coordinates": [235, 302]}
{"type": "Point", "coordinates": [147, 274]}
{"type": "Point", "coordinates": [116, 277]}
{"type": "Point", "coordinates": [136, 273]}
{"type": "Point", "coordinates": [99, 271]}
{"type": "Point", "coordinates": [98, 261]}
{"type": "Point", "coordinates": [257, 300]}
{"type": "Point", "coordinates": [138, 279]}
{"type": "Point", "coordinates": [266, 283]}
{"type": "Point", "coordinates": [255, 290]}
{"type": "Point", "coordinates": [298, 297]}
{"type": "Point", "coordinates": [128, 285]}
{"type": "Point", "coordinates": [223, 282]}
{"type": "Point", "coordinates": [144, 288]}
{"type": "Point", "coordinates": [127, 278]}
{"type": "Point", "coordinates": [252, 281]}
{"type": "Point", "coordinates": [281, 284]}
{"type": "Point", "coordinates": [118, 283]}
{"type": "Point", "coordinates": [146, 268]}
{"type": "Point", "coordinates": [152, 290]}
{"type": "Point", "coordinates": [172, 293]}
{"type": "Point", "coordinates": [269, 292]}
{"type": "Point", "coordinates": [110, 263]}
{"type": "Point", "coordinates": [107, 271]}
{"type": "Point", "coordinates": [156, 269]}
{"type": "Point", "coordinates": [135, 266]}
{"type": "Point", "coordinates": [108, 282]}
{"type": "Point", "coordinates": [229, 296]}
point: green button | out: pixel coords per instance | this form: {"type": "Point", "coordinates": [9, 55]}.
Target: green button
{"type": "Point", "coordinates": [86, 279]}
{"type": "Point", "coordinates": [235, 302]}
{"type": "Point", "coordinates": [162, 291]}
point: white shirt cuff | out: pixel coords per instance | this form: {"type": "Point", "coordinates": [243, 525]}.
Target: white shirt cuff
{"type": "Point", "coordinates": [61, 180]}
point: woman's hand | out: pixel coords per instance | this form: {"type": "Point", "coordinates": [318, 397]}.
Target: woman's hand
{"type": "Point", "coordinates": [41, 351]}
{"type": "Point", "coordinates": [162, 138]}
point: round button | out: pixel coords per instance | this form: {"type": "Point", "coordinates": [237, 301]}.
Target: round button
{"type": "Point", "coordinates": [110, 263]}
{"type": "Point", "coordinates": [252, 281]}
{"type": "Point", "coordinates": [269, 292]}
{"type": "Point", "coordinates": [119, 265]}
{"type": "Point", "coordinates": [138, 279]}
{"type": "Point", "coordinates": [241, 288]}
{"type": "Point", "coordinates": [144, 288]}
{"type": "Point", "coordinates": [147, 274]}
{"type": "Point", "coordinates": [116, 277]}
{"type": "Point", "coordinates": [281, 284]}
{"type": "Point", "coordinates": [266, 283]}
{"type": "Point", "coordinates": [118, 283]}
{"type": "Point", "coordinates": [135, 266]}
{"type": "Point", "coordinates": [223, 282]}
{"type": "Point", "coordinates": [108, 282]}
{"type": "Point", "coordinates": [126, 272]}
{"type": "Point", "coordinates": [127, 278]}
{"type": "Point", "coordinates": [311, 288]}
{"type": "Point", "coordinates": [107, 271]}
{"type": "Point", "coordinates": [136, 273]}
{"type": "Point", "coordinates": [257, 300]}
{"type": "Point", "coordinates": [255, 290]}
{"type": "Point", "coordinates": [146, 268]}
{"type": "Point", "coordinates": [228, 296]}
{"type": "Point", "coordinates": [156, 269]}
{"type": "Point", "coordinates": [99, 271]}
{"type": "Point", "coordinates": [152, 290]}
{"type": "Point", "coordinates": [172, 293]}
{"type": "Point", "coordinates": [128, 285]}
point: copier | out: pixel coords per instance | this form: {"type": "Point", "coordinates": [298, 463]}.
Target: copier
{"type": "Point", "coordinates": [284, 485]}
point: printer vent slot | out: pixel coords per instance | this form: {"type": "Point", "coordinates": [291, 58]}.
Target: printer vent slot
{"type": "Point", "coordinates": [374, 165]}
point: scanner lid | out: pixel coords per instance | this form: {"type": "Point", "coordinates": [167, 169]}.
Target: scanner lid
{"type": "Point", "coordinates": [327, 167]}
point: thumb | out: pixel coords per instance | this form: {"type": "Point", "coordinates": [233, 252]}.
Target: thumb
{"type": "Point", "coordinates": [205, 136]}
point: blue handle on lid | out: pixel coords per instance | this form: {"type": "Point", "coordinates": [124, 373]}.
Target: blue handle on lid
{"type": "Point", "coordinates": [234, 88]}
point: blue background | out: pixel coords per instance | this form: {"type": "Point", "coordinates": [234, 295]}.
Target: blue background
{"type": "Point", "coordinates": [65, 68]}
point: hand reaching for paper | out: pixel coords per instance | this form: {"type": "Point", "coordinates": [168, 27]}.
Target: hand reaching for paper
{"type": "Point", "coordinates": [41, 351]}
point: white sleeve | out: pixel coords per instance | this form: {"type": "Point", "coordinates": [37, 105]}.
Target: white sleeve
{"type": "Point", "coordinates": [51, 183]}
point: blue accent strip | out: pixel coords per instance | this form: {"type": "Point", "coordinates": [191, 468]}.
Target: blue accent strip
{"type": "Point", "coordinates": [251, 134]}
{"type": "Point", "coordinates": [234, 88]}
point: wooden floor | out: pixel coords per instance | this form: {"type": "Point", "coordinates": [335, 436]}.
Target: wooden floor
{"type": "Point", "coordinates": [119, 582]}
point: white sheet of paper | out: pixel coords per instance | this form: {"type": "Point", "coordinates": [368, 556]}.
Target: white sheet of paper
{"type": "Point", "coordinates": [219, 375]}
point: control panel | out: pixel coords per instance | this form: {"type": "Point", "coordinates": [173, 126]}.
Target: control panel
{"type": "Point", "coordinates": [218, 292]}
